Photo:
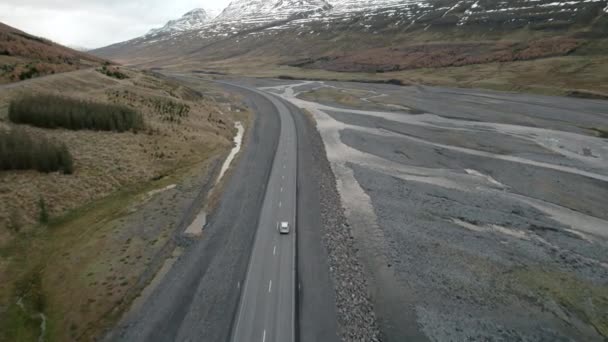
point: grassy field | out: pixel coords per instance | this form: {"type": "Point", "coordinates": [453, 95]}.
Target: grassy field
{"type": "Point", "coordinates": [568, 75]}
{"type": "Point", "coordinates": [588, 301]}
{"type": "Point", "coordinates": [74, 266]}
{"type": "Point", "coordinates": [82, 269]}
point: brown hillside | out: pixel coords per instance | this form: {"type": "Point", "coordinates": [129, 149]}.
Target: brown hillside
{"type": "Point", "coordinates": [24, 56]}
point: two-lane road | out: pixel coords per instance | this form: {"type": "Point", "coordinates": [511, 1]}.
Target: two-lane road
{"type": "Point", "coordinates": [238, 282]}
{"type": "Point", "coordinates": [267, 307]}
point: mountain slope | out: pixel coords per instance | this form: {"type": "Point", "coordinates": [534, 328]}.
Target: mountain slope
{"type": "Point", "coordinates": [24, 56]}
{"type": "Point", "coordinates": [260, 10]}
{"type": "Point", "coordinates": [192, 20]}
{"type": "Point", "coordinates": [376, 35]}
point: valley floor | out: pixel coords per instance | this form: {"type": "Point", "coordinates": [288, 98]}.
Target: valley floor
{"type": "Point", "coordinates": [464, 214]}
{"type": "Point", "coordinates": [575, 76]}
{"type": "Point", "coordinates": [479, 215]}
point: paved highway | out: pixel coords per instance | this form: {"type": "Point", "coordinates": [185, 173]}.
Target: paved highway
{"type": "Point", "coordinates": [266, 310]}
{"type": "Point", "coordinates": [238, 283]}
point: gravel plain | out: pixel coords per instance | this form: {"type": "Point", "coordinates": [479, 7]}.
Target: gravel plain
{"type": "Point", "coordinates": [476, 215]}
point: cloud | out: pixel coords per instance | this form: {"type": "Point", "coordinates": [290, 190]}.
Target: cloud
{"type": "Point", "coordinates": [95, 23]}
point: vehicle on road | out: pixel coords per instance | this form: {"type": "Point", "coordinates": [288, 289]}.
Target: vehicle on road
{"type": "Point", "coordinates": [284, 228]}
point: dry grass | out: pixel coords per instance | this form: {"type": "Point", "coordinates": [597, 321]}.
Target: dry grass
{"type": "Point", "coordinates": [89, 270]}
{"type": "Point", "coordinates": [350, 98]}
{"type": "Point", "coordinates": [440, 54]}
{"type": "Point", "coordinates": [24, 56]}
{"type": "Point", "coordinates": [104, 161]}
{"type": "Point", "coordinates": [551, 76]}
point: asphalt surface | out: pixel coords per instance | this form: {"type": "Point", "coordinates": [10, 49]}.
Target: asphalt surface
{"type": "Point", "coordinates": [220, 288]}
{"type": "Point", "coordinates": [198, 298]}
{"type": "Point", "coordinates": [267, 307]}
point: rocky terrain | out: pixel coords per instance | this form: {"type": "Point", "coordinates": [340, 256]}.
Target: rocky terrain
{"type": "Point", "coordinates": [356, 314]}
{"type": "Point", "coordinates": [408, 40]}
{"type": "Point", "coordinates": [477, 215]}
{"type": "Point", "coordinates": [256, 27]}
{"type": "Point", "coordinates": [190, 21]}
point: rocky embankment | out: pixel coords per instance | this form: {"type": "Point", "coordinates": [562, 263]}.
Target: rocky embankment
{"type": "Point", "coordinates": [356, 317]}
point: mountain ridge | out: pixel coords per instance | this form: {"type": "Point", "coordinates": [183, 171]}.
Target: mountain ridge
{"type": "Point", "coordinates": [377, 36]}
{"type": "Point", "coordinates": [192, 20]}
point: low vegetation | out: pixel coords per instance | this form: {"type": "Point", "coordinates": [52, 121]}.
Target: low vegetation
{"type": "Point", "coordinates": [112, 72]}
{"type": "Point", "coordinates": [588, 301]}
{"type": "Point", "coordinates": [73, 243]}
{"type": "Point", "coordinates": [440, 55]}
{"type": "Point", "coordinates": [20, 151]}
{"type": "Point", "coordinates": [30, 72]}
{"type": "Point", "coordinates": [602, 133]}
{"type": "Point", "coordinates": [50, 111]}
{"type": "Point", "coordinates": [24, 56]}
{"type": "Point", "coordinates": [24, 318]}
{"type": "Point", "coordinates": [166, 109]}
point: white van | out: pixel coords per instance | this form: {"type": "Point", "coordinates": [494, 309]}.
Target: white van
{"type": "Point", "coordinates": [284, 228]}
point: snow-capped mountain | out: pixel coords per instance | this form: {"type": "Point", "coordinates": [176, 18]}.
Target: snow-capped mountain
{"type": "Point", "coordinates": [301, 28]}
{"type": "Point", "coordinates": [192, 20]}
{"type": "Point", "coordinates": [271, 9]}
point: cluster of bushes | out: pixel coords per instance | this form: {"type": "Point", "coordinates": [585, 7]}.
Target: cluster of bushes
{"type": "Point", "coordinates": [30, 72]}
{"type": "Point", "coordinates": [170, 111]}
{"type": "Point", "coordinates": [167, 109]}
{"type": "Point", "coordinates": [20, 151]}
{"type": "Point", "coordinates": [7, 67]}
{"type": "Point", "coordinates": [112, 72]}
{"type": "Point", "coordinates": [51, 111]}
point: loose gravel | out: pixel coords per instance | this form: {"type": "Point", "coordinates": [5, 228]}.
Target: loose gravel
{"type": "Point", "coordinates": [356, 317]}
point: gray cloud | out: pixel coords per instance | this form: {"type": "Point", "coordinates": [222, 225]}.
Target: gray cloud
{"type": "Point", "coordinates": [95, 23]}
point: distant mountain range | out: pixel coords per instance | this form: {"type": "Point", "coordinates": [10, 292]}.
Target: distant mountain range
{"type": "Point", "coordinates": [344, 35]}
{"type": "Point", "coordinates": [193, 20]}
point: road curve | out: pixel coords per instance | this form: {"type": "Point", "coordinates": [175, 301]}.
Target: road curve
{"type": "Point", "coordinates": [198, 298]}
{"type": "Point", "coordinates": [204, 294]}
{"type": "Point", "coordinates": [267, 306]}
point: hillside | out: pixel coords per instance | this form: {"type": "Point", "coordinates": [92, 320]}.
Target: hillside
{"type": "Point", "coordinates": [77, 246]}
{"type": "Point", "coordinates": [24, 56]}
{"type": "Point", "coordinates": [392, 37]}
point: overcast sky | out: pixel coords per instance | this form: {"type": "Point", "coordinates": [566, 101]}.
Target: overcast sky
{"type": "Point", "coordinates": [95, 23]}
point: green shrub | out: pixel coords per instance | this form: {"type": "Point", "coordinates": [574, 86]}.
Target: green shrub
{"type": "Point", "coordinates": [7, 67]}
{"type": "Point", "coordinates": [14, 221]}
{"type": "Point", "coordinates": [19, 151]}
{"type": "Point", "coordinates": [44, 214]}
{"type": "Point", "coordinates": [31, 72]}
{"type": "Point", "coordinates": [50, 111]}
{"type": "Point", "coordinates": [112, 72]}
